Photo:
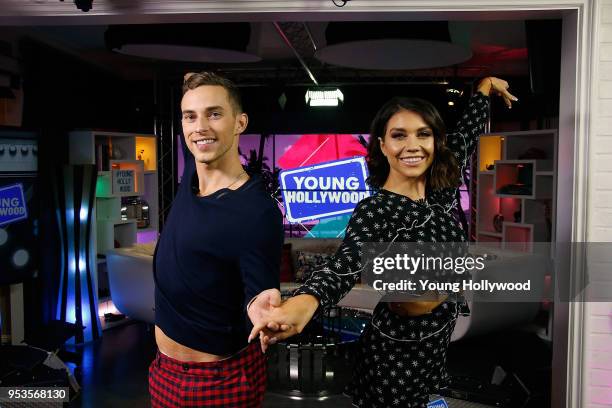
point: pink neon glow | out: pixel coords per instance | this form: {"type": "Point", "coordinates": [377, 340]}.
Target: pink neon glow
{"type": "Point", "coordinates": [145, 237]}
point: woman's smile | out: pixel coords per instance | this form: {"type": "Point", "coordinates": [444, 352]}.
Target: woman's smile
{"type": "Point", "coordinates": [412, 161]}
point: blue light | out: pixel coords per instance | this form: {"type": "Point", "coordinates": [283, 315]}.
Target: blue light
{"type": "Point", "coordinates": [77, 214]}
{"type": "Point", "coordinates": [84, 214]}
{"type": "Point", "coordinates": [70, 312]}
{"type": "Point", "coordinates": [70, 217]}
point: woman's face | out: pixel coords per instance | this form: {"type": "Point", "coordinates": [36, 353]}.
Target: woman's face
{"type": "Point", "coordinates": [408, 144]}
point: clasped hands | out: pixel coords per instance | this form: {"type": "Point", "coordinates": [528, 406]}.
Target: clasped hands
{"type": "Point", "coordinates": [274, 320]}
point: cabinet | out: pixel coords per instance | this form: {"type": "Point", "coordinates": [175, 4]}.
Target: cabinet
{"type": "Point", "coordinates": [515, 195]}
{"type": "Point", "coordinates": [126, 188]}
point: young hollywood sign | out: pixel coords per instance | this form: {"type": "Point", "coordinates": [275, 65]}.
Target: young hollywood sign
{"type": "Point", "coordinates": [12, 204]}
{"type": "Point", "coordinates": [439, 403]}
{"type": "Point", "coordinates": [123, 181]}
{"type": "Point", "coordinates": [324, 190]}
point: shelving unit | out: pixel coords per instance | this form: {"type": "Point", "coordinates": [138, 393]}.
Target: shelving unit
{"type": "Point", "coordinates": [516, 188]}
{"type": "Point", "coordinates": [127, 167]}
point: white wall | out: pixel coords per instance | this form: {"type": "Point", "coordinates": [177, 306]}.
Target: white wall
{"type": "Point", "coordinates": [597, 367]}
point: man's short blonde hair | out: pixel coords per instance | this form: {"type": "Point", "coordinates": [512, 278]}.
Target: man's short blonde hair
{"type": "Point", "coordinates": [192, 80]}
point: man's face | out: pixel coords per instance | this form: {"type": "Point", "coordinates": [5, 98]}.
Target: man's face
{"type": "Point", "coordinates": [210, 125]}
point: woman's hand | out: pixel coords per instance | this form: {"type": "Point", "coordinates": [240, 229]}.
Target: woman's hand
{"type": "Point", "coordinates": [497, 86]}
{"type": "Point", "coordinates": [285, 320]}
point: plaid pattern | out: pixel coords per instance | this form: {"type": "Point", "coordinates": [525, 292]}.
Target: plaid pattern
{"type": "Point", "coordinates": [237, 381]}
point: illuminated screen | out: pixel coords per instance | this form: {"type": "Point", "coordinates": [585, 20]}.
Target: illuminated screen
{"type": "Point", "coordinates": [284, 152]}
{"type": "Point", "coordinates": [18, 228]}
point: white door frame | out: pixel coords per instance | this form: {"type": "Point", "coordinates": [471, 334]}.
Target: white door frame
{"type": "Point", "coordinates": [580, 22]}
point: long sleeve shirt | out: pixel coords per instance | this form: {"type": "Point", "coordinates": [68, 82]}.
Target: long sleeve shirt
{"type": "Point", "coordinates": [214, 255]}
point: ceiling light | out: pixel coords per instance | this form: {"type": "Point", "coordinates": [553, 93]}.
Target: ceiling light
{"type": "Point", "coordinates": [324, 97]}
{"type": "Point", "coordinates": [454, 93]}
{"type": "Point", "coordinates": [192, 42]}
{"type": "Point", "coordinates": [392, 45]}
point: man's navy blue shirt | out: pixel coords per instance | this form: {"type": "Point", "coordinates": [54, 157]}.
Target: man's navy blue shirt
{"type": "Point", "coordinates": [214, 255]}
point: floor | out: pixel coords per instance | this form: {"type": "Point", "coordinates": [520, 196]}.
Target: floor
{"type": "Point", "coordinates": [113, 372]}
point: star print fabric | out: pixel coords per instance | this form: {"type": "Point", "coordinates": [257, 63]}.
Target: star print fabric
{"type": "Point", "coordinates": [391, 373]}
{"type": "Point", "coordinates": [417, 344]}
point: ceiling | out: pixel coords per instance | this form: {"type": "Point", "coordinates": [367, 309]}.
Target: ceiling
{"type": "Point", "coordinates": [498, 48]}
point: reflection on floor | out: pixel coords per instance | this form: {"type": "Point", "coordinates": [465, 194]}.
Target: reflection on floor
{"type": "Point", "coordinates": [113, 371]}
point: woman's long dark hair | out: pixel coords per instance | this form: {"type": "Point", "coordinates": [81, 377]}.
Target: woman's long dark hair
{"type": "Point", "coordinates": [443, 172]}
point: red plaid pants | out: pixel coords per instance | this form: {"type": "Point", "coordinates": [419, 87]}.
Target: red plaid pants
{"type": "Point", "coordinates": [237, 381]}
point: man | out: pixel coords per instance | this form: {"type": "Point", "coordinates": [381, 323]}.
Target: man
{"type": "Point", "coordinates": [219, 248]}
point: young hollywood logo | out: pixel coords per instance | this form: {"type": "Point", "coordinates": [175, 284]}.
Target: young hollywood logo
{"type": "Point", "coordinates": [439, 403]}
{"type": "Point", "coordinates": [12, 204]}
{"type": "Point", "coordinates": [324, 190]}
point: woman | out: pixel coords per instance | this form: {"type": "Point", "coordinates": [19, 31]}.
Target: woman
{"type": "Point", "coordinates": [416, 168]}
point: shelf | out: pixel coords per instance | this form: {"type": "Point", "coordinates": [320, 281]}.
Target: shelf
{"type": "Point", "coordinates": [121, 222]}
{"type": "Point", "coordinates": [518, 236]}
{"type": "Point", "coordinates": [490, 149]}
{"type": "Point", "coordinates": [490, 234]}
{"type": "Point", "coordinates": [114, 221]}
{"type": "Point", "coordinates": [545, 186]}
{"type": "Point", "coordinates": [518, 197]}
{"type": "Point", "coordinates": [544, 166]}
{"type": "Point", "coordinates": [126, 195]}
{"type": "Point", "coordinates": [515, 175]}
{"type": "Point", "coordinates": [146, 150]}
{"type": "Point", "coordinates": [489, 240]}
{"type": "Point", "coordinates": [525, 163]}
{"type": "Point", "coordinates": [126, 164]}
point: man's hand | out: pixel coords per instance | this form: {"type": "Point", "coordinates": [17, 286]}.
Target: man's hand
{"type": "Point", "coordinates": [260, 308]}
{"type": "Point", "coordinates": [284, 321]}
